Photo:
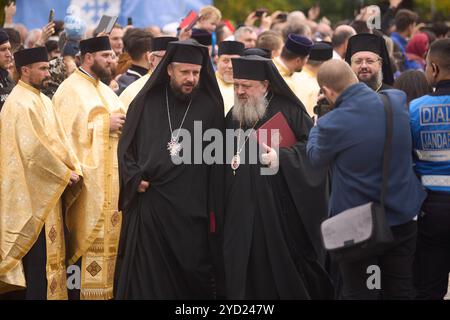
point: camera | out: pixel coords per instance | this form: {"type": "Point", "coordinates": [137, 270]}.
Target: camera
{"type": "Point", "coordinates": [282, 17]}
{"type": "Point", "coordinates": [259, 13]}
{"type": "Point", "coordinates": [322, 107]}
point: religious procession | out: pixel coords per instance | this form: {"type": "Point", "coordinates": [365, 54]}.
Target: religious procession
{"type": "Point", "coordinates": [224, 151]}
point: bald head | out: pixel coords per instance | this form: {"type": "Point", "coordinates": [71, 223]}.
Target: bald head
{"type": "Point", "coordinates": [345, 28]}
{"type": "Point", "coordinates": [336, 75]}
{"type": "Point", "coordinates": [439, 54]}
{"type": "Point", "coordinates": [340, 38]}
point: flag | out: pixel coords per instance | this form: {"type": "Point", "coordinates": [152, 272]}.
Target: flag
{"type": "Point", "coordinates": [34, 14]}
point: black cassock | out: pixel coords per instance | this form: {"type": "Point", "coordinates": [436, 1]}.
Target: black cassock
{"type": "Point", "coordinates": [168, 231]}
{"type": "Point", "coordinates": [272, 248]}
{"type": "Point", "coordinates": [166, 251]}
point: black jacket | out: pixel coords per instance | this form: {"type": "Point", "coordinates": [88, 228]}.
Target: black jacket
{"type": "Point", "coordinates": [6, 86]}
{"type": "Point", "coordinates": [134, 73]}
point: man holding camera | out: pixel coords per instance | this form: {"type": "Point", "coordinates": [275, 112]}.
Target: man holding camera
{"type": "Point", "coordinates": [342, 140]}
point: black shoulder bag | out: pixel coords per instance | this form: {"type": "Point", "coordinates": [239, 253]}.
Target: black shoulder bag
{"type": "Point", "coordinates": [363, 231]}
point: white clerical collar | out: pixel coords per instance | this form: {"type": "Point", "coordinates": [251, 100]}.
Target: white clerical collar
{"type": "Point", "coordinates": [134, 73]}
{"type": "Point", "coordinates": [336, 55]}
{"type": "Point", "coordinates": [87, 73]}
{"type": "Point", "coordinates": [281, 62]}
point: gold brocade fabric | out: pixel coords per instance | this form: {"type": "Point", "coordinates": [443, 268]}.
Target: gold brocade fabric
{"type": "Point", "coordinates": [84, 106]}
{"type": "Point", "coordinates": [227, 91]}
{"type": "Point", "coordinates": [285, 73]}
{"type": "Point", "coordinates": [35, 169]}
{"type": "Point", "coordinates": [132, 90]}
{"type": "Point", "coordinates": [288, 77]}
{"type": "Point", "coordinates": [310, 89]}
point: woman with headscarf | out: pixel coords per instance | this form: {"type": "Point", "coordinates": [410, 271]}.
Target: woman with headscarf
{"type": "Point", "coordinates": [416, 49]}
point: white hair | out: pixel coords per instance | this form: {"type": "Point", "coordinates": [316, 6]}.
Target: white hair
{"type": "Point", "coordinates": [32, 37]}
{"type": "Point", "coordinates": [295, 16]}
{"type": "Point", "coordinates": [250, 111]}
{"type": "Point", "coordinates": [240, 32]}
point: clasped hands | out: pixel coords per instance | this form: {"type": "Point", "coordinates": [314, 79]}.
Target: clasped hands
{"type": "Point", "coordinates": [74, 178]}
{"type": "Point", "coordinates": [269, 159]}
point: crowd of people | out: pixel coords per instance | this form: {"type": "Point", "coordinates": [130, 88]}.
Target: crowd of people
{"type": "Point", "coordinates": [107, 193]}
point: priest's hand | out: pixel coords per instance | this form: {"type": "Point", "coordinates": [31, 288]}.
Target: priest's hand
{"type": "Point", "coordinates": [270, 158]}
{"type": "Point", "coordinates": [74, 178]}
{"type": "Point", "coordinates": [117, 120]}
{"type": "Point", "coordinates": [143, 186]}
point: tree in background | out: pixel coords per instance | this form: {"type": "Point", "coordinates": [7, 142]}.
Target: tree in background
{"type": "Point", "coordinates": [238, 10]}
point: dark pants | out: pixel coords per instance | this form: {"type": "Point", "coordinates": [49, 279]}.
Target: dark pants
{"type": "Point", "coordinates": [395, 265]}
{"type": "Point", "coordinates": [432, 264]}
{"type": "Point", "coordinates": [34, 265]}
{"type": "Point", "coordinates": [74, 294]}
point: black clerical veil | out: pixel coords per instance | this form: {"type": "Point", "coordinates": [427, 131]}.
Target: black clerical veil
{"type": "Point", "coordinates": [170, 228]}
{"type": "Point", "coordinates": [373, 43]}
{"type": "Point", "coordinates": [255, 67]}
{"type": "Point", "coordinates": [307, 185]}
{"type": "Point", "coordinates": [189, 50]}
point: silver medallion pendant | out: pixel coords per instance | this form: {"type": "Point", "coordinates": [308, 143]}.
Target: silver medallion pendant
{"type": "Point", "coordinates": [235, 162]}
{"type": "Point", "coordinates": [174, 147]}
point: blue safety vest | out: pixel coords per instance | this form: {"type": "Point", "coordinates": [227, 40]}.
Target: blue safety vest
{"type": "Point", "coordinates": [430, 126]}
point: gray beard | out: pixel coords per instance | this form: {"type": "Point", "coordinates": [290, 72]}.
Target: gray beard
{"type": "Point", "coordinates": [376, 81]}
{"type": "Point", "coordinates": [250, 111]}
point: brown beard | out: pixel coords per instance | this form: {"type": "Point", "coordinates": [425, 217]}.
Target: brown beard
{"type": "Point", "coordinates": [104, 74]}
{"type": "Point", "coordinates": [249, 111]}
{"type": "Point", "coordinates": [178, 93]}
{"type": "Point", "coordinates": [374, 81]}
{"type": "Point", "coordinates": [41, 85]}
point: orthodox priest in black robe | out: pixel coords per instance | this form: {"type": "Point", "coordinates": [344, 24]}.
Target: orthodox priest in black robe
{"type": "Point", "coordinates": [272, 248]}
{"type": "Point", "coordinates": [168, 230]}
{"type": "Point", "coordinates": [379, 75]}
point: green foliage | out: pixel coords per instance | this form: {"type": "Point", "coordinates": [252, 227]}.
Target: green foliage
{"type": "Point", "coordinates": [334, 10]}
{"type": "Point", "coordinates": [237, 10]}
{"type": "Point", "coordinates": [425, 8]}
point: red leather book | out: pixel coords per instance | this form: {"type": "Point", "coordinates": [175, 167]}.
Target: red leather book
{"type": "Point", "coordinates": [286, 137]}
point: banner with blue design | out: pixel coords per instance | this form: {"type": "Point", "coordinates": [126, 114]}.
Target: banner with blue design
{"type": "Point", "coordinates": [34, 13]}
